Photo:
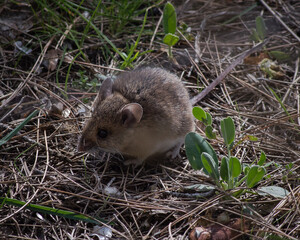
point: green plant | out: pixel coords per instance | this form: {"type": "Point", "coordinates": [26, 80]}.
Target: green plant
{"type": "Point", "coordinates": [246, 11]}
{"type": "Point", "coordinates": [83, 20]}
{"type": "Point", "coordinates": [85, 82]}
{"type": "Point", "coordinates": [170, 25]}
{"type": "Point", "coordinates": [18, 128]}
{"type": "Point", "coordinates": [130, 57]}
{"type": "Point", "coordinates": [124, 13]}
{"type": "Point", "coordinates": [231, 173]}
{"type": "Point", "coordinates": [259, 35]}
{"type": "Point", "coordinates": [185, 30]}
{"type": "Point", "coordinates": [206, 118]}
{"type": "Point", "coordinates": [50, 210]}
{"type": "Point", "coordinates": [282, 105]}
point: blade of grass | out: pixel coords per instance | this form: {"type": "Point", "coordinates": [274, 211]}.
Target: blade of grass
{"type": "Point", "coordinates": [18, 128]}
{"type": "Point", "coordinates": [57, 74]}
{"type": "Point", "coordinates": [49, 210]}
{"type": "Point", "coordinates": [19, 155]}
{"type": "Point", "coordinates": [281, 104]}
{"type": "Point", "coordinates": [86, 29]}
{"type": "Point", "coordinates": [100, 34]}
{"type": "Point", "coordinates": [241, 14]}
{"type": "Point", "coordinates": [127, 60]}
{"type": "Point", "coordinates": [68, 72]}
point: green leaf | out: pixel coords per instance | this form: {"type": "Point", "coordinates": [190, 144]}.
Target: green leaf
{"type": "Point", "coordinates": [48, 210]}
{"type": "Point", "coordinates": [18, 128]}
{"type": "Point", "coordinates": [170, 39]}
{"type": "Point", "coordinates": [208, 119]}
{"type": "Point", "coordinates": [209, 133]}
{"type": "Point", "coordinates": [254, 36]}
{"type": "Point", "coordinates": [246, 168]}
{"type": "Point", "coordinates": [202, 116]}
{"type": "Point", "coordinates": [277, 192]}
{"type": "Point", "coordinates": [224, 185]}
{"type": "Point", "coordinates": [279, 55]}
{"type": "Point", "coordinates": [210, 166]}
{"type": "Point", "coordinates": [169, 19]}
{"type": "Point", "coordinates": [289, 166]}
{"type": "Point", "coordinates": [199, 113]}
{"type": "Point", "coordinates": [235, 167]}
{"type": "Point", "coordinates": [260, 28]}
{"type": "Point", "coordinates": [224, 170]}
{"type": "Point", "coordinates": [262, 159]}
{"type": "Point", "coordinates": [228, 130]}
{"type": "Point", "coordinates": [255, 174]}
{"type": "Point", "coordinates": [195, 145]}
{"type": "Point", "coordinates": [252, 138]}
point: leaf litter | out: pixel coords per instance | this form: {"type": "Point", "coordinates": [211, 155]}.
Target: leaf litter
{"type": "Point", "coordinates": [40, 165]}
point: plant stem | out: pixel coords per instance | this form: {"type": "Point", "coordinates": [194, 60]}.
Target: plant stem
{"type": "Point", "coordinates": [170, 52]}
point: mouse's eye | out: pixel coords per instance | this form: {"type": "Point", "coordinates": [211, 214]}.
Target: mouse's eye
{"type": "Point", "coordinates": [102, 133]}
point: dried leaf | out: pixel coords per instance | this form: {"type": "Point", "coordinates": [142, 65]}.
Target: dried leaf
{"type": "Point", "coordinates": [56, 109]}
{"type": "Point", "coordinates": [271, 69]}
{"type": "Point", "coordinates": [51, 59]}
{"type": "Point", "coordinates": [255, 60]}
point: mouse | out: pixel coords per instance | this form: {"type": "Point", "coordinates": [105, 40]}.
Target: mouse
{"type": "Point", "coordinates": [140, 114]}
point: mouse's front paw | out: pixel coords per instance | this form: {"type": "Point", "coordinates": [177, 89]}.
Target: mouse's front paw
{"type": "Point", "coordinates": [175, 151]}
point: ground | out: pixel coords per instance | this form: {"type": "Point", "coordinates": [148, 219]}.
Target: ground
{"type": "Point", "coordinates": [53, 58]}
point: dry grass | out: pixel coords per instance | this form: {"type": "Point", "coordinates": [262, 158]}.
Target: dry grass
{"type": "Point", "coordinates": [41, 165]}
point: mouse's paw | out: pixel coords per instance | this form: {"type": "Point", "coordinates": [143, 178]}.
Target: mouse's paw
{"type": "Point", "coordinates": [134, 161]}
{"type": "Point", "coordinates": [175, 151]}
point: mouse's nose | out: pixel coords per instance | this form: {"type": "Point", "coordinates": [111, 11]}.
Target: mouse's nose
{"type": "Point", "coordinates": [84, 144]}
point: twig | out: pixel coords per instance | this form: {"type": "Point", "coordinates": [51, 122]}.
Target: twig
{"type": "Point", "coordinates": [13, 109]}
{"type": "Point", "coordinates": [295, 80]}
{"type": "Point", "coordinates": [207, 194]}
{"type": "Point", "coordinates": [275, 14]}
{"type": "Point", "coordinates": [218, 80]}
{"type": "Point", "coordinates": [47, 157]}
{"type": "Point", "coordinates": [155, 31]}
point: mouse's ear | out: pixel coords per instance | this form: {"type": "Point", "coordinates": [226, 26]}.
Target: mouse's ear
{"type": "Point", "coordinates": [131, 114]}
{"type": "Point", "coordinates": [105, 89]}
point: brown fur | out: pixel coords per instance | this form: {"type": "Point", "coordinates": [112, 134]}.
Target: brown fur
{"type": "Point", "coordinates": [166, 115]}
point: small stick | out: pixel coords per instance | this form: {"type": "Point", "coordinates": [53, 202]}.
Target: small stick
{"type": "Point", "coordinates": [295, 80]}
{"type": "Point", "coordinates": [275, 14]}
{"type": "Point", "coordinates": [218, 80]}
